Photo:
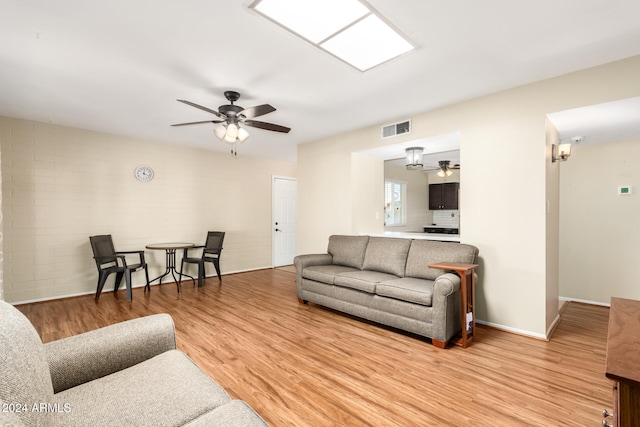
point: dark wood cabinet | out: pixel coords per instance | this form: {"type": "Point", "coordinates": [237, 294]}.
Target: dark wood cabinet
{"type": "Point", "coordinates": [443, 196]}
{"type": "Point", "coordinates": [623, 359]}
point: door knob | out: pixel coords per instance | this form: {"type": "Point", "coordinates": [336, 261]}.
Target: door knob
{"type": "Point", "coordinates": [277, 229]}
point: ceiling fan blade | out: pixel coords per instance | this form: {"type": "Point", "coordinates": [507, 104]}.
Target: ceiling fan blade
{"type": "Point", "coordinates": [208, 110]}
{"type": "Point", "coordinates": [258, 110]}
{"type": "Point", "coordinates": [266, 126]}
{"type": "Point", "coordinates": [198, 123]}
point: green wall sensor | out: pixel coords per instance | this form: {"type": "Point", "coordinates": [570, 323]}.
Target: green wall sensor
{"type": "Point", "coordinates": [625, 190]}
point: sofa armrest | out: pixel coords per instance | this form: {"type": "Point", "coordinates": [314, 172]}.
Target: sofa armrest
{"type": "Point", "coordinates": [446, 306]}
{"type": "Point", "coordinates": [446, 284]}
{"type": "Point", "coordinates": [303, 261]}
{"type": "Point", "coordinates": [95, 354]}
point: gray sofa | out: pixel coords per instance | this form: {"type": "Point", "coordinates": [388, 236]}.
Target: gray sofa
{"type": "Point", "coordinates": [127, 374]}
{"type": "Point", "coordinates": [388, 281]}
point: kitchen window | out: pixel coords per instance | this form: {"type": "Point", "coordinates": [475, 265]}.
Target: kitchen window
{"type": "Point", "coordinates": [395, 203]}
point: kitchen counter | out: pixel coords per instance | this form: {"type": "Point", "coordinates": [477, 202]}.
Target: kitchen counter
{"type": "Point", "coordinates": [423, 236]}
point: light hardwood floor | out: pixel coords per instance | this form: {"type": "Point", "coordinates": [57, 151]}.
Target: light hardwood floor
{"type": "Point", "coordinates": [304, 365]}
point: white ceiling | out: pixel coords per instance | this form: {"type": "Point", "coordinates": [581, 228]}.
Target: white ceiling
{"type": "Point", "coordinates": [118, 66]}
{"type": "Point", "coordinates": [607, 122]}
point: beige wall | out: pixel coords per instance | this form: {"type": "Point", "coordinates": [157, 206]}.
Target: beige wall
{"type": "Point", "coordinates": [368, 200]}
{"type": "Point", "coordinates": [61, 185]}
{"type": "Point", "coordinates": [505, 153]}
{"type": "Point", "coordinates": [599, 230]}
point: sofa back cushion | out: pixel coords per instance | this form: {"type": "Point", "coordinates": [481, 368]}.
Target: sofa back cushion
{"type": "Point", "coordinates": [426, 252]}
{"type": "Point", "coordinates": [348, 250]}
{"type": "Point", "coordinates": [24, 371]}
{"type": "Point", "coordinates": [387, 255]}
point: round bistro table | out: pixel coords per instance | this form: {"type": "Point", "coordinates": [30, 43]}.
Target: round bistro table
{"type": "Point", "coordinates": [170, 256]}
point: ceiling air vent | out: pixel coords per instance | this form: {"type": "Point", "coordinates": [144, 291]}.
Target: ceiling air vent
{"type": "Point", "coordinates": [396, 129]}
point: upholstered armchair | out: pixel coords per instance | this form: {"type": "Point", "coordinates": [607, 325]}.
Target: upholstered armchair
{"type": "Point", "coordinates": [128, 374]}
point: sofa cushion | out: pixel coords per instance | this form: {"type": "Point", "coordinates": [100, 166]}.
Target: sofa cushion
{"type": "Point", "coordinates": [362, 280]}
{"type": "Point", "coordinates": [348, 250]}
{"type": "Point", "coordinates": [426, 252]}
{"type": "Point", "coordinates": [387, 255]}
{"type": "Point", "coordinates": [233, 414]}
{"type": "Point", "coordinates": [168, 389]}
{"type": "Point", "coordinates": [325, 273]}
{"type": "Point", "coordinates": [418, 291]}
{"type": "Point", "coordinates": [24, 372]}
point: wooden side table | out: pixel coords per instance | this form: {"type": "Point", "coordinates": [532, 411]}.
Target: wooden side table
{"type": "Point", "coordinates": [467, 291]}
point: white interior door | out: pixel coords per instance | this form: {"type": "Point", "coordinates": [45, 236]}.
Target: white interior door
{"type": "Point", "coordinates": [285, 219]}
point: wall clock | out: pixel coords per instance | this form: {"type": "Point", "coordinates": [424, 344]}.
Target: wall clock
{"type": "Point", "coordinates": [144, 173]}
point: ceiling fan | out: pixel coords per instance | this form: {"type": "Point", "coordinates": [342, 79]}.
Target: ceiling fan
{"type": "Point", "coordinates": [232, 116]}
{"type": "Point", "coordinates": [444, 168]}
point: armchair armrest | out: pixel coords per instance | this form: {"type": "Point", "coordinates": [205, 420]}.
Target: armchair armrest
{"type": "Point", "coordinates": [121, 255]}
{"type": "Point", "coordinates": [95, 354]}
{"type": "Point", "coordinates": [185, 251]}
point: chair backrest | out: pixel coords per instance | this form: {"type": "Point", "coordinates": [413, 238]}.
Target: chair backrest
{"type": "Point", "coordinates": [103, 250]}
{"type": "Point", "coordinates": [25, 378]}
{"type": "Point", "coordinates": [214, 242]}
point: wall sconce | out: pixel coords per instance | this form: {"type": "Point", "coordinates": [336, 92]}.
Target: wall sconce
{"type": "Point", "coordinates": [560, 153]}
{"type": "Point", "coordinates": [414, 157]}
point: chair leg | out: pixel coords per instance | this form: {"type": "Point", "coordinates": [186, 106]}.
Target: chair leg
{"type": "Point", "coordinates": [200, 273]}
{"type": "Point", "coordinates": [116, 286]}
{"type": "Point", "coordinates": [180, 272]}
{"type": "Point", "coordinates": [216, 264]}
{"type": "Point", "coordinates": [146, 275]}
{"type": "Point", "coordinates": [102, 278]}
{"type": "Point", "coordinates": [127, 278]}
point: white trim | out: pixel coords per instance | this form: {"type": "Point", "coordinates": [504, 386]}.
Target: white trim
{"type": "Point", "coordinates": [584, 301]}
{"type": "Point", "coordinates": [512, 330]}
{"type": "Point", "coordinates": [553, 326]}
{"type": "Point", "coordinates": [79, 294]}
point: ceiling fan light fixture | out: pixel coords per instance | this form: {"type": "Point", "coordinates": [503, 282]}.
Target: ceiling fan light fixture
{"type": "Point", "coordinates": [242, 134]}
{"type": "Point", "coordinates": [444, 170]}
{"type": "Point", "coordinates": [231, 116]}
{"type": "Point", "coordinates": [232, 131]}
{"type": "Point", "coordinates": [220, 131]}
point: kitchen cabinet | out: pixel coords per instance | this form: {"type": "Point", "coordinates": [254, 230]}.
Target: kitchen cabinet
{"type": "Point", "coordinates": [443, 196]}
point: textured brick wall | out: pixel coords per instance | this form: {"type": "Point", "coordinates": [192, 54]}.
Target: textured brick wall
{"type": "Point", "coordinates": [60, 185]}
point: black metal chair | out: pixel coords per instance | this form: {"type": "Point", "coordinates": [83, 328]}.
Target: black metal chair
{"type": "Point", "coordinates": [109, 261]}
{"type": "Point", "coordinates": [211, 251]}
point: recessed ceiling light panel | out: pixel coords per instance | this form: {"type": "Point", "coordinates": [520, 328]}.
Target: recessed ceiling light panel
{"type": "Point", "coordinates": [312, 20]}
{"type": "Point", "coordinates": [367, 43]}
{"type": "Point", "coordinates": [348, 29]}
